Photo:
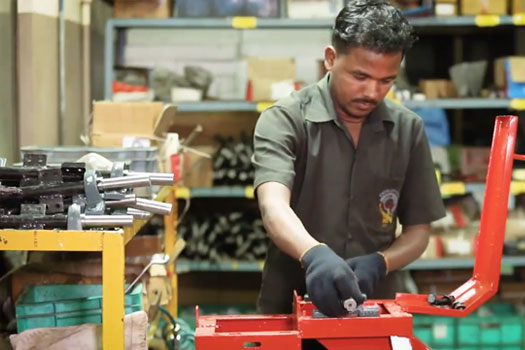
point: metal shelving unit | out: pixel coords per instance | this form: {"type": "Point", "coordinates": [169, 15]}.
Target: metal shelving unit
{"type": "Point", "coordinates": [283, 23]}
{"type": "Point", "coordinates": [114, 28]}
{"type": "Point", "coordinates": [244, 23]}
{"type": "Point", "coordinates": [447, 189]}
{"type": "Point", "coordinates": [462, 103]}
{"type": "Point", "coordinates": [186, 266]}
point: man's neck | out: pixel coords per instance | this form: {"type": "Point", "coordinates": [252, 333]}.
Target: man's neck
{"type": "Point", "coordinates": [346, 117]}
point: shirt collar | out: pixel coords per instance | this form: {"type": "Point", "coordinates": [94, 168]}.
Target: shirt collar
{"type": "Point", "coordinates": [321, 104]}
{"type": "Point", "coordinates": [323, 110]}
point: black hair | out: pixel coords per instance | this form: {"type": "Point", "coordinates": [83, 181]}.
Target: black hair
{"type": "Point", "coordinates": [374, 25]}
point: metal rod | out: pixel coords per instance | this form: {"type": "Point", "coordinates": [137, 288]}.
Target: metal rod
{"type": "Point", "coordinates": [106, 220]}
{"type": "Point", "coordinates": [160, 179]}
{"type": "Point", "coordinates": [124, 182]}
{"type": "Point", "coordinates": [121, 202]}
{"type": "Point", "coordinates": [139, 214]}
{"type": "Point", "coordinates": [152, 206]}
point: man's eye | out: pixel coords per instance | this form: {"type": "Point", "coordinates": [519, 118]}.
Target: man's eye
{"type": "Point", "coordinates": [359, 77]}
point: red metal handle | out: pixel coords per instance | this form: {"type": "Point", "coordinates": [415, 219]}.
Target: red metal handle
{"type": "Point", "coordinates": [487, 264]}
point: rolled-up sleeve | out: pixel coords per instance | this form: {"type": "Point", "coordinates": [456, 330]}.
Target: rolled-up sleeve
{"type": "Point", "coordinates": [420, 201]}
{"type": "Point", "coordinates": [275, 147]}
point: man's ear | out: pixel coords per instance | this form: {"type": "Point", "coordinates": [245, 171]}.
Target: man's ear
{"type": "Point", "coordinates": [329, 57]}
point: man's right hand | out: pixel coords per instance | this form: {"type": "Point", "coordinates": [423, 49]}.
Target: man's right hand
{"type": "Point", "coordinates": [329, 281]}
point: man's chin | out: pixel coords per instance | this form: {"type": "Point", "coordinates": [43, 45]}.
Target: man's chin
{"type": "Point", "coordinates": [358, 113]}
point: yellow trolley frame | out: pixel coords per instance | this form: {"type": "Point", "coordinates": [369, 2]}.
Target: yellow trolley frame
{"type": "Point", "coordinates": [111, 244]}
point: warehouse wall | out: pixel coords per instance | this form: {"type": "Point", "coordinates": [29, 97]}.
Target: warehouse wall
{"type": "Point", "coordinates": [38, 72]}
{"type": "Point", "coordinates": [38, 61]}
{"type": "Point", "coordinates": [8, 129]}
{"type": "Point", "coordinates": [224, 55]}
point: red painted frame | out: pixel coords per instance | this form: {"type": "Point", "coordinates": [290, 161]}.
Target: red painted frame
{"type": "Point", "coordinates": [271, 332]}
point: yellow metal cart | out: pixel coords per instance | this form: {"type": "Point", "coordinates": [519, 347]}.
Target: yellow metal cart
{"type": "Point", "coordinates": [111, 244]}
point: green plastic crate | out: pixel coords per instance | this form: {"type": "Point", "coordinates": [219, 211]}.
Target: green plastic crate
{"type": "Point", "coordinates": [492, 331]}
{"type": "Point", "coordinates": [67, 305]}
{"type": "Point", "coordinates": [435, 331]}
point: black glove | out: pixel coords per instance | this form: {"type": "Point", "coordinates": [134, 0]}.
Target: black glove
{"type": "Point", "coordinates": [369, 269]}
{"type": "Point", "coordinates": [330, 281]}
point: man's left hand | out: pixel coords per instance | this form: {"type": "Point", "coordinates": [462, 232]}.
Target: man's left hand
{"type": "Point", "coordinates": [369, 269]}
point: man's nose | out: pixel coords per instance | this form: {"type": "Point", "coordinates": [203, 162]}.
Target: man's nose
{"type": "Point", "coordinates": [372, 90]}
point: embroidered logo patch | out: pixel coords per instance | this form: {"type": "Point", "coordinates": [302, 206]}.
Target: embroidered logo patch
{"type": "Point", "coordinates": [387, 206]}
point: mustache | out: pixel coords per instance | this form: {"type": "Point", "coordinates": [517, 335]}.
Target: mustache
{"type": "Point", "coordinates": [366, 100]}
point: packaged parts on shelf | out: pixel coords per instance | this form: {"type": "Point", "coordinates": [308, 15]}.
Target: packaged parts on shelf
{"type": "Point", "coordinates": [142, 8]}
{"type": "Point", "coordinates": [468, 77]}
{"type": "Point", "coordinates": [437, 88]}
{"type": "Point", "coordinates": [484, 7]}
{"type": "Point", "coordinates": [518, 7]}
{"type": "Point", "coordinates": [509, 75]}
{"type": "Point", "coordinates": [313, 9]}
{"type": "Point", "coordinates": [446, 8]}
{"type": "Point", "coordinates": [434, 249]}
{"type": "Point", "coordinates": [267, 75]}
{"type": "Point", "coordinates": [473, 162]}
{"type": "Point", "coordinates": [224, 236]}
{"type": "Point", "coordinates": [227, 8]}
{"type": "Point", "coordinates": [115, 122]}
{"type": "Point", "coordinates": [458, 242]}
{"type": "Point", "coordinates": [232, 162]}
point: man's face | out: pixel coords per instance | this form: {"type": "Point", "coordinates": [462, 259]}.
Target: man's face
{"type": "Point", "coordinates": [360, 78]}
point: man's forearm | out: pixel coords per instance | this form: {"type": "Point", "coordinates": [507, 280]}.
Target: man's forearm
{"type": "Point", "coordinates": [286, 230]}
{"type": "Point", "coordinates": [408, 246]}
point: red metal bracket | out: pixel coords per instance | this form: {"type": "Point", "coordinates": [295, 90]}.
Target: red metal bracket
{"type": "Point", "coordinates": [487, 264]}
{"type": "Point", "coordinates": [271, 332]}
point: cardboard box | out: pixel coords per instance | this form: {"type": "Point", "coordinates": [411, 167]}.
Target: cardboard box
{"type": "Point", "coordinates": [474, 161]}
{"type": "Point", "coordinates": [437, 88]}
{"type": "Point", "coordinates": [144, 246]}
{"type": "Point", "coordinates": [113, 121]}
{"type": "Point", "coordinates": [518, 6]}
{"type": "Point", "coordinates": [434, 249]}
{"type": "Point", "coordinates": [483, 7]}
{"type": "Point", "coordinates": [198, 170]}
{"type": "Point", "coordinates": [158, 286]}
{"type": "Point", "coordinates": [265, 73]}
{"type": "Point", "coordinates": [509, 75]}
{"type": "Point", "coordinates": [142, 8]}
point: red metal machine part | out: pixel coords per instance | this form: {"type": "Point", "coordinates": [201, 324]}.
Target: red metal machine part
{"type": "Point", "coordinates": [272, 332]}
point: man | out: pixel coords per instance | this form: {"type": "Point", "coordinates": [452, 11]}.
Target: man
{"type": "Point", "coordinates": [337, 165]}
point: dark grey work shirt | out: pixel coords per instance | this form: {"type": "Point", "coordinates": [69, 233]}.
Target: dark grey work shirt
{"type": "Point", "coordinates": [349, 198]}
